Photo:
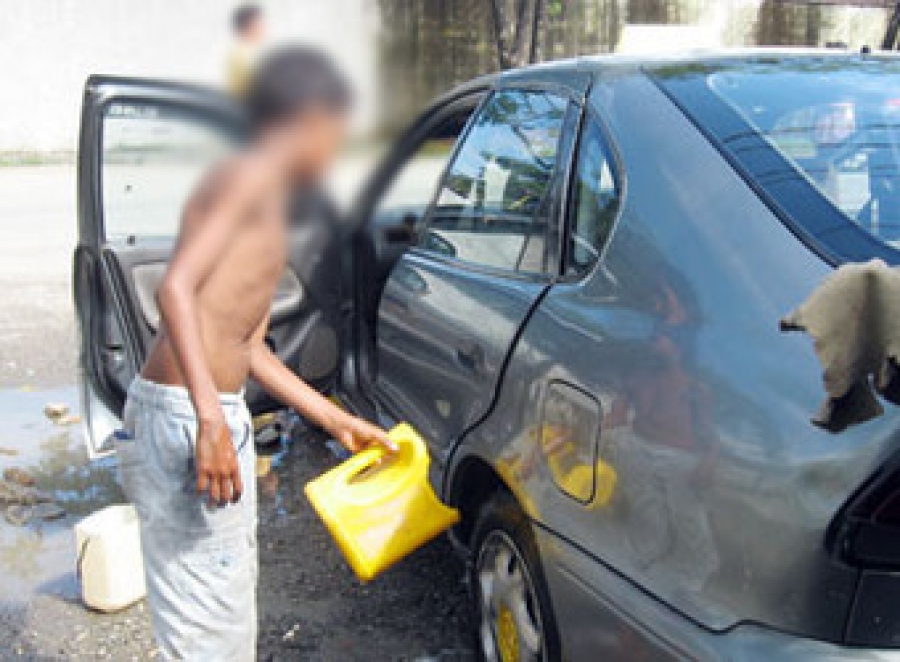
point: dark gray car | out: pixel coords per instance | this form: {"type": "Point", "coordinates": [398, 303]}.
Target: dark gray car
{"type": "Point", "coordinates": [569, 279]}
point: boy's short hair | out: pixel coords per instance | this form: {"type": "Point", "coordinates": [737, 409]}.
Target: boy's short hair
{"type": "Point", "coordinates": [244, 16]}
{"type": "Point", "coordinates": [292, 80]}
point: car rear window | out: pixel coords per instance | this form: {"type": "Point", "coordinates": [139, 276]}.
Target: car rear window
{"type": "Point", "coordinates": [818, 137]}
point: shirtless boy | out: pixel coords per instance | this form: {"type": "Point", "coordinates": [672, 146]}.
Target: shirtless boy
{"type": "Point", "coordinates": [187, 453]}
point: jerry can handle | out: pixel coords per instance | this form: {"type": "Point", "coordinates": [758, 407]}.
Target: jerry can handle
{"type": "Point", "coordinates": [349, 469]}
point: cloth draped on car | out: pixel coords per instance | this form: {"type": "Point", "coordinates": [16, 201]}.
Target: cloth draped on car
{"type": "Point", "coordinates": [853, 317]}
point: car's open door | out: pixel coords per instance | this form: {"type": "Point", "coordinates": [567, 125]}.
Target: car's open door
{"type": "Point", "coordinates": [143, 147]}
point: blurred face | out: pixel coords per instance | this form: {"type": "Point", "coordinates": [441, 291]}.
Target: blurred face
{"type": "Point", "coordinates": [315, 139]}
{"type": "Point", "coordinates": [255, 32]}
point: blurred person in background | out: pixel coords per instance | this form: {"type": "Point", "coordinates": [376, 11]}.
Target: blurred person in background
{"type": "Point", "coordinates": [186, 453]}
{"type": "Point", "coordinates": [249, 27]}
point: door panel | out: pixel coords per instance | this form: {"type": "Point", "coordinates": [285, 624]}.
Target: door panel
{"type": "Point", "coordinates": [443, 337]}
{"type": "Point", "coordinates": [289, 294]}
{"type": "Point", "coordinates": [388, 219]}
{"type": "Point", "coordinates": [144, 146]}
{"type": "Point", "coordinates": [453, 306]}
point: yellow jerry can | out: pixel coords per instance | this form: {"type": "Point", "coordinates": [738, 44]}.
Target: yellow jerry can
{"type": "Point", "coordinates": [379, 506]}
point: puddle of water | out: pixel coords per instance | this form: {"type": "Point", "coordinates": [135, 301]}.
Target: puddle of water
{"type": "Point", "coordinates": [40, 557]}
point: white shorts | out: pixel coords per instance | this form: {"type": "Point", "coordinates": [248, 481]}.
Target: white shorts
{"type": "Point", "coordinates": [200, 561]}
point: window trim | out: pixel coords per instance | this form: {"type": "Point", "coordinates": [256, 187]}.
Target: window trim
{"type": "Point", "coordinates": [574, 107]}
{"type": "Point", "coordinates": [385, 173]}
{"type": "Point", "coordinates": [620, 174]}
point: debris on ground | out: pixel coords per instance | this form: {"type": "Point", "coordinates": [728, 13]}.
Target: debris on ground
{"type": "Point", "coordinates": [268, 435]}
{"type": "Point", "coordinates": [264, 420]}
{"type": "Point", "coordinates": [291, 634]}
{"type": "Point", "coordinates": [18, 477]}
{"type": "Point", "coordinates": [9, 452]}
{"type": "Point", "coordinates": [56, 410]}
{"type": "Point", "coordinates": [48, 511]}
{"type": "Point", "coordinates": [21, 514]}
{"type": "Point", "coordinates": [68, 419]}
{"type": "Point", "coordinates": [18, 514]}
{"type": "Point", "coordinates": [15, 493]}
{"type": "Point", "coordinates": [22, 502]}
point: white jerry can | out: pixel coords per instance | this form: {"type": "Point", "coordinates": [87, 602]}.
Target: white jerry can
{"type": "Point", "coordinates": [108, 543]}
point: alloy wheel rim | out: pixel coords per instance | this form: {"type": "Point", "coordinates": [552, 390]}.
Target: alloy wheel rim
{"type": "Point", "coordinates": [510, 627]}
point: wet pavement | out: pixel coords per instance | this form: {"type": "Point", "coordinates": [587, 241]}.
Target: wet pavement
{"type": "Point", "coordinates": [37, 557]}
{"type": "Point", "coordinates": [310, 605]}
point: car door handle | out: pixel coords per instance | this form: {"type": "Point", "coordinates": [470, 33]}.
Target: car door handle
{"type": "Point", "coordinates": [470, 356]}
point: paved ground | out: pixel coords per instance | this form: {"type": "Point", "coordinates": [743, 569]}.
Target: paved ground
{"type": "Point", "coordinates": [311, 608]}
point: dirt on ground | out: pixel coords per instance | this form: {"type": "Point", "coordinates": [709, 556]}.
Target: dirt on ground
{"type": "Point", "coordinates": [310, 605]}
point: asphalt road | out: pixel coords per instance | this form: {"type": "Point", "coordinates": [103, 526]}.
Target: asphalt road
{"type": "Point", "coordinates": [310, 606]}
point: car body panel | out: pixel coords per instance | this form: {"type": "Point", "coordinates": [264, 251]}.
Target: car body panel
{"type": "Point", "coordinates": [610, 617]}
{"type": "Point", "coordinates": [690, 291]}
{"type": "Point", "coordinates": [437, 369]}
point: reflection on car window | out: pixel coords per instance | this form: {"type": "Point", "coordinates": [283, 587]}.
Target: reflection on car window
{"type": "Point", "coordinates": [153, 157]}
{"type": "Point", "coordinates": [595, 201]}
{"type": "Point", "coordinates": [413, 187]}
{"type": "Point", "coordinates": [819, 135]}
{"type": "Point", "coordinates": [494, 204]}
{"type": "Point", "coordinates": [845, 140]}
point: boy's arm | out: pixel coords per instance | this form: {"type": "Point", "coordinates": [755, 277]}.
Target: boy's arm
{"type": "Point", "coordinates": [266, 368]}
{"type": "Point", "coordinates": [204, 237]}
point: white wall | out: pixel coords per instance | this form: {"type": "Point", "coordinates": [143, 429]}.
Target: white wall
{"type": "Point", "coordinates": [49, 47]}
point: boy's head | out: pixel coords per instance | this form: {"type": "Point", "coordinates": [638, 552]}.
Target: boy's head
{"type": "Point", "coordinates": [247, 21]}
{"type": "Point", "coordinates": [299, 99]}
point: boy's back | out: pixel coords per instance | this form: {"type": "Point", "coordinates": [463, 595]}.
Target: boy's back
{"type": "Point", "coordinates": [240, 209]}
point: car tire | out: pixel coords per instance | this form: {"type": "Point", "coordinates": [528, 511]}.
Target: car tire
{"type": "Point", "coordinates": [511, 610]}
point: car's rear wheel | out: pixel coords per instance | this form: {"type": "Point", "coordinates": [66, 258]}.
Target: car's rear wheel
{"type": "Point", "coordinates": [511, 606]}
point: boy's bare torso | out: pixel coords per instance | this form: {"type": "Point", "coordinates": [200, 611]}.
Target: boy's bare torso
{"type": "Point", "coordinates": [233, 301]}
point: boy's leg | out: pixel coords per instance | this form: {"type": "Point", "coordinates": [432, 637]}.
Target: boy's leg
{"type": "Point", "coordinates": [200, 561]}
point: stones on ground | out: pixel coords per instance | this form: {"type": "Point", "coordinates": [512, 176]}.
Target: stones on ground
{"type": "Point", "coordinates": [18, 476]}
{"type": "Point", "coordinates": [291, 634]}
{"type": "Point", "coordinates": [22, 502]}
{"type": "Point", "coordinates": [56, 410]}
{"type": "Point", "coordinates": [48, 511]}
{"type": "Point", "coordinates": [21, 514]}
{"type": "Point", "coordinates": [18, 514]}
{"type": "Point", "coordinates": [68, 419]}
{"type": "Point", "coordinates": [15, 493]}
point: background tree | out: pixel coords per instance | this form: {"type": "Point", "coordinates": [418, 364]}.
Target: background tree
{"type": "Point", "coordinates": [891, 41]}
{"type": "Point", "coordinates": [517, 25]}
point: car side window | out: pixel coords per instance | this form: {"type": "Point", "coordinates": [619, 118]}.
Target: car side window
{"type": "Point", "coordinates": [495, 202]}
{"type": "Point", "coordinates": [596, 197]}
{"type": "Point", "coordinates": [153, 156]}
{"type": "Point", "coordinates": [401, 208]}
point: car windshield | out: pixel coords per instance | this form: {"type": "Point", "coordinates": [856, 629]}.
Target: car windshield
{"type": "Point", "coordinates": [818, 137]}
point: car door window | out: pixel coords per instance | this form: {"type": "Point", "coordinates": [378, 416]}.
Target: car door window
{"type": "Point", "coordinates": [495, 202]}
{"type": "Point", "coordinates": [413, 186]}
{"type": "Point", "coordinates": [152, 157]}
{"type": "Point", "coordinates": [595, 201]}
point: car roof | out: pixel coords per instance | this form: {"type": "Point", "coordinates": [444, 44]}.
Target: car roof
{"type": "Point", "coordinates": [628, 63]}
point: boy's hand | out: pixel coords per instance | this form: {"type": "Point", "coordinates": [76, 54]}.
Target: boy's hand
{"type": "Point", "coordinates": [217, 466]}
{"type": "Point", "coordinates": [356, 434]}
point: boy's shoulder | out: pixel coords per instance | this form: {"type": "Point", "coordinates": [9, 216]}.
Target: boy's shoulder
{"type": "Point", "coordinates": [240, 178]}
